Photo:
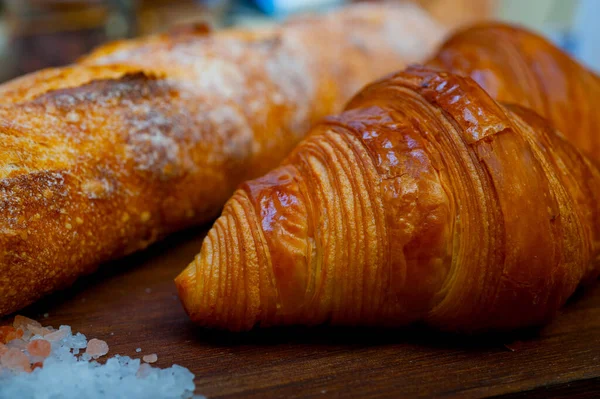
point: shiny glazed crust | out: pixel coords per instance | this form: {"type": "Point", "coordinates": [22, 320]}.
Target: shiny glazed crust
{"type": "Point", "coordinates": [426, 200]}
{"type": "Point", "coordinates": [519, 67]}
{"type": "Point", "coordinates": [145, 137]}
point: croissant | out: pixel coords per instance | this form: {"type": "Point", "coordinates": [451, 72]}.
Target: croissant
{"type": "Point", "coordinates": [425, 201]}
{"type": "Point", "coordinates": [517, 66]}
{"type": "Point", "coordinates": [145, 137]}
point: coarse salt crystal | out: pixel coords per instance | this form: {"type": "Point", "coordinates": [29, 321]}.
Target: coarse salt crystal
{"type": "Point", "coordinates": [23, 322]}
{"type": "Point", "coordinates": [38, 330]}
{"type": "Point", "coordinates": [37, 365]}
{"type": "Point", "coordinates": [39, 347]}
{"type": "Point", "coordinates": [138, 350]}
{"type": "Point", "coordinates": [56, 335]}
{"type": "Point", "coordinates": [27, 335]}
{"type": "Point", "coordinates": [17, 344]}
{"type": "Point", "coordinates": [8, 333]}
{"type": "Point", "coordinates": [150, 358]}
{"type": "Point", "coordinates": [144, 370]}
{"type": "Point", "coordinates": [16, 360]}
{"type": "Point", "coordinates": [54, 374]}
{"type": "Point", "coordinates": [96, 348]}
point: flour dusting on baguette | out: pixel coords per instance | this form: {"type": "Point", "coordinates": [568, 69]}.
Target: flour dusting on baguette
{"type": "Point", "coordinates": [149, 136]}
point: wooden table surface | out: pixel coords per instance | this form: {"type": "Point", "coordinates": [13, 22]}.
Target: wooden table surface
{"type": "Point", "coordinates": [135, 299]}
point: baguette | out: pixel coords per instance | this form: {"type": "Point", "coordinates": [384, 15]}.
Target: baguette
{"type": "Point", "coordinates": [145, 137]}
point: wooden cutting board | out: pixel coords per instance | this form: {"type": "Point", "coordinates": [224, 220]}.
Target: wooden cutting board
{"type": "Point", "coordinates": [132, 304]}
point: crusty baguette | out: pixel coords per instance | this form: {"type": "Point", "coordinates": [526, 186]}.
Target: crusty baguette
{"type": "Point", "coordinates": [142, 138]}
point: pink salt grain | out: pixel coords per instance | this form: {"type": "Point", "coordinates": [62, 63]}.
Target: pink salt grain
{"type": "Point", "coordinates": [39, 347]}
{"type": "Point", "coordinates": [150, 358]}
{"type": "Point", "coordinates": [16, 360]}
{"type": "Point", "coordinates": [23, 322]}
{"type": "Point", "coordinates": [17, 344]}
{"type": "Point", "coordinates": [56, 335]}
{"type": "Point", "coordinates": [8, 333]}
{"type": "Point", "coordinates": [37, 365]}
{"type": "Point", "coordinates": [39, 330]}
{"type": "Point", "coordinates": [96, 348]}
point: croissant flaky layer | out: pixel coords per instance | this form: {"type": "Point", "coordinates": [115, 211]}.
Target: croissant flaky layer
{"type": "Point", "coordinates": [425, 201]}
{"type": "Point", "coordinates": [517, 66]}
{"type": "Point", "coordinates": [149, 136]}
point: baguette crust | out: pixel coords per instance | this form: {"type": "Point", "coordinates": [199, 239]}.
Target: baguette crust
{"type": "Point", "coordinates": [146, 137]}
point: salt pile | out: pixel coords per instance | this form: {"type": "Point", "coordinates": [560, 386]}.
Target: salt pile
{"type": "Point", "coordinates": [44, 363]}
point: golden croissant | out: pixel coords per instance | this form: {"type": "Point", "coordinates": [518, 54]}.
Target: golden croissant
{"type": "Point", "coordinates": [425, 201]}
{"type": "Point", "coordinates": [145, 137]}
{"type": "Point", "coordinates": [516, 66]}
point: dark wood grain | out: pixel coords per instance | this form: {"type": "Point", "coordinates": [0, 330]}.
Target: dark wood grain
{"type": "Point", "coordinates": [132, 303]}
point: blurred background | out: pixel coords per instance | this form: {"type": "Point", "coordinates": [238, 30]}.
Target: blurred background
{"type": "Point", "coordinates": [35, 34]}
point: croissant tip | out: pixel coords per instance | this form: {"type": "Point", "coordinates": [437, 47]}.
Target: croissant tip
{"type": "Point", "coordinates": [186, 287]}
